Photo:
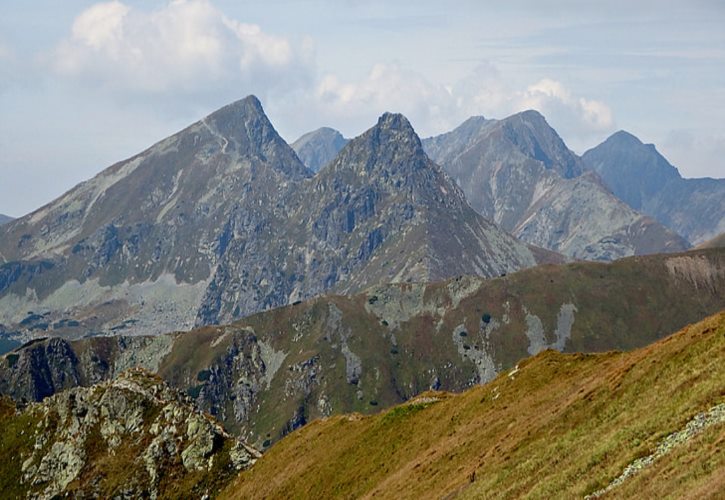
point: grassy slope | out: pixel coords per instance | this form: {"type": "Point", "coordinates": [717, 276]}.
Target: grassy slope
{"type": "Point", "coordinates": [561, 424]}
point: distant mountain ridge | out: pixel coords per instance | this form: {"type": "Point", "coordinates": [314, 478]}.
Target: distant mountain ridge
{"type": "Point", "coordinates": [222, 220]}
{"type": "Point", "coordinates": [319, 147]}
{"type": "Point", "coordinates": [638, 174]}
{"type": "Point", "coordinates": [270, 373]}
{"type": "Point", "coordinates": [4, 219]}
{"type": "Point", "coordinates": [518, 173]}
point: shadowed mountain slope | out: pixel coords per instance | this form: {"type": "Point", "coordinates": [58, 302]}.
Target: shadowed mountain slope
{"type": "Point", "coordinates": [638, 174]}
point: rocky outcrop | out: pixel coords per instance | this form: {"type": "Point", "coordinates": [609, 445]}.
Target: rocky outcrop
{"type": "Point", "coordinates": [129, 437]}
{"type": "Point", "coordinates": [638, 174]}
{"type": "Point", "coordinates": [518, 173]}
{"type": "Point", "coordinates": [319, 147]}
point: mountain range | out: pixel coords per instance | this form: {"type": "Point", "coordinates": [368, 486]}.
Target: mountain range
{"type": "Point", "coordinates": [4, 219]}
{"type": "Point", "coordinates": [639, 175]}
{"type": "Point", "coordinates": [272, 372]}
{"type": "Point", "coordinates": [518, 173]}
{"type": "Point", "coordinates": [224, 314]}
{"type": "Point", "coordinates": [222, 220]}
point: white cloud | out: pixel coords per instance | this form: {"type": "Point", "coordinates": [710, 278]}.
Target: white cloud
{"type": "Point", "coordinates": [386, 88]}
{"type": "Point", "coordinates": [187, 45]}
{"type": "Point", "coordinates": [435, 108]}
{"type": "Point", "coordinates": [553, 99]}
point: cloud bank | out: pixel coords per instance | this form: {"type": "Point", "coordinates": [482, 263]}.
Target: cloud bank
{"type": "Point", "coordinates": [185, 46]}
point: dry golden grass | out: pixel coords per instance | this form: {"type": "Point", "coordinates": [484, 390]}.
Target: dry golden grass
{"type": "Point", "coordinates": [560, 426]}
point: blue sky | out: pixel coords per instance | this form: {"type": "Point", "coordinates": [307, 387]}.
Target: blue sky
{"type": "Point", "coordinates": [84, 84]}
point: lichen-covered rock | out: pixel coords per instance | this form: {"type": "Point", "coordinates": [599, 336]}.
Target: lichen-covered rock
{"type": "Point", "coordinates": [130, 437]}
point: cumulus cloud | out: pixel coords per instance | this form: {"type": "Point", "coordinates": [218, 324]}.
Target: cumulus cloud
{"type": "Point", "coordinates": [387, 87]}
{"type": "Point", "coordinates": [435, 108]}
{"type": "Point", "coordinates": [186, 45]}
{"type": "Point", "coordinates": [190, 48]}
{"type": "Point", "coordinates": [553, 99]}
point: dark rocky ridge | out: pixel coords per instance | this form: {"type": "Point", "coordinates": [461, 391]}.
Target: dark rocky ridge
{"type": "Point", "coordinates": [518, 173]}
{"type": "Point", "coordinates": [638, 174]}
{"type": "Point", "coordinates": [319, 147]}
{"type": "Point", "coordinates": [271, 372]}
{"type": "Point", "coordinates": [222, 220]}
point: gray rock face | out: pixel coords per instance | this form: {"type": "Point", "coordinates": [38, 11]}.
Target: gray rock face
{"type": "Point", "coordinates": [518, 173]}
{"type": "Point", "coordinates": [222, 220]}
{"type": "Point", "coordinates": [638, 174]}
{"type": "Point", "coordinates": [380, 212]}
{"type": "Point", "coordinates": [4, 219]}
{"type": "Point", "coordinates": [319, 147]}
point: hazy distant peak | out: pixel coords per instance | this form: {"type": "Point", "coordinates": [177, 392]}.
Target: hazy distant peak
{"type": "Point", "coordinates": [624, 138]}
{"type": "Point", "coordinates": [530, 115]}
{"type": "Point", "coordinates": [319, 147]}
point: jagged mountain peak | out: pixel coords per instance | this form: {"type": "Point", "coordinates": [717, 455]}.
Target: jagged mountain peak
{"type": "Point", "coordinates": [244, 129]}
{"type": "Point", "coordinates": [532, 135]}
{"type": "Point", "coordinates": [390, 148]}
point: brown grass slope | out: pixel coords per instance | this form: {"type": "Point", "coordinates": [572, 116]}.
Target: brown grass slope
{"type": "Point", "coordinates": [561, 425]}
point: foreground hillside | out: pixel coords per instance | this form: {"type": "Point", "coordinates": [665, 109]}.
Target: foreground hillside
{"type": "Point", "coordinates": [650, 423]}
{"type": "Point", "coordinates": [270, 373]}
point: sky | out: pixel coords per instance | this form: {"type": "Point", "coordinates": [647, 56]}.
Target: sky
{"type": "Point", "coordinates": [85, 84]}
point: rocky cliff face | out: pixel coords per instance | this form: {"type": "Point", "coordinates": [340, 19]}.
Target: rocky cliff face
{"type": "Point", "coordinates": [638, 174]}
{"type": "Point", "coordinates": [518, 173]}
{"type": "Point", "coordinates": [274, 371]}
{"type": "Point", "coordinates": [126, 438]}
{"type": "Point", "coordinates": [319, 147]}
{"type": "Point", "coordinates": [222, 220]}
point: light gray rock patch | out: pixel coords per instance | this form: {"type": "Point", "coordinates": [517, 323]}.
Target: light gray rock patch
{"type": "Point", "coordinates": [480, 357]}
{"type": "Point", "coordinates": [699, 423]}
